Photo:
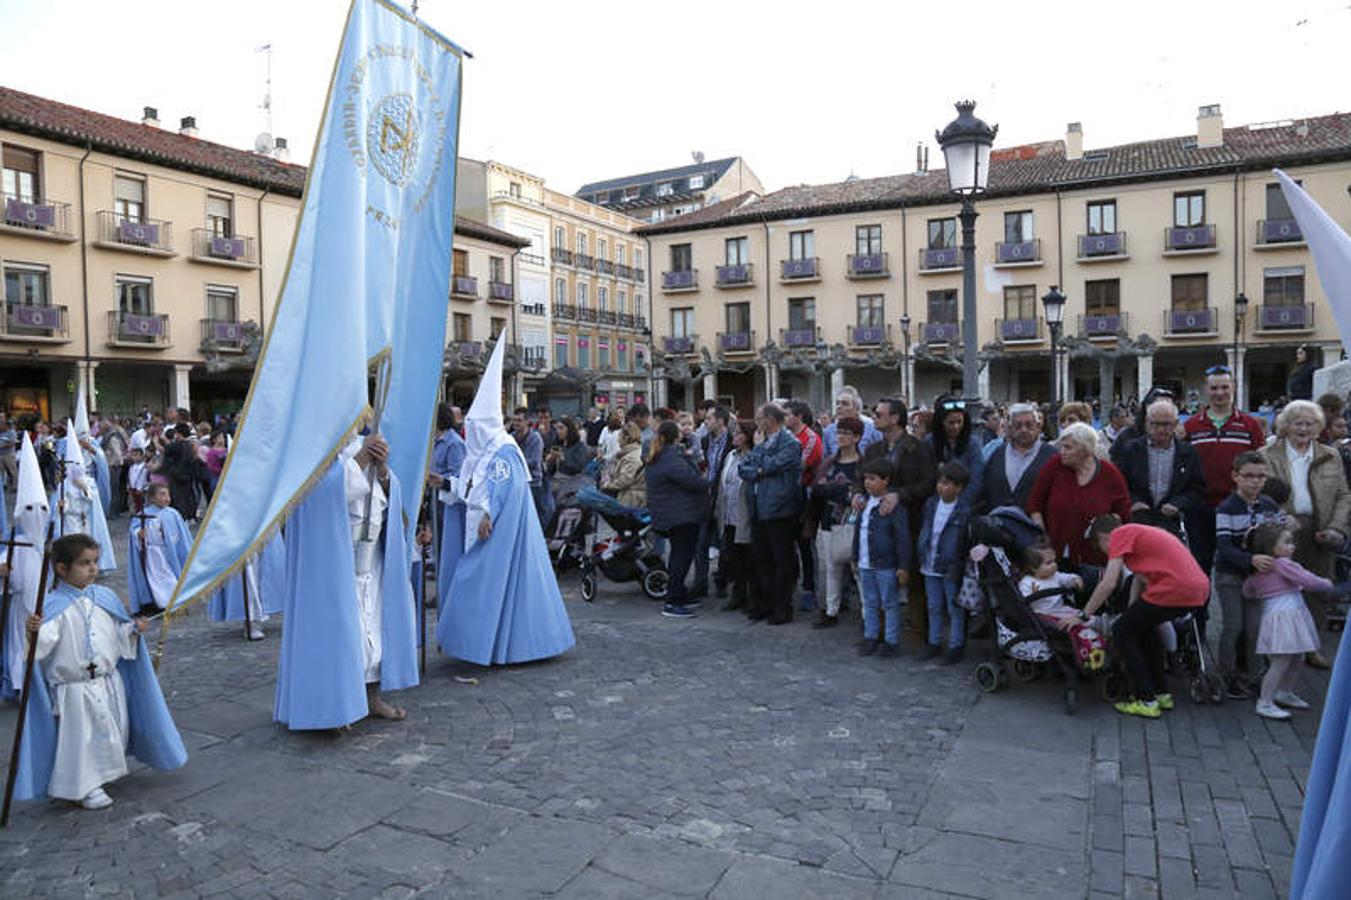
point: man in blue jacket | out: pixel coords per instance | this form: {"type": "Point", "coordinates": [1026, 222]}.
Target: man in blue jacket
{"type": "Point", "coordinates": [771, 476]}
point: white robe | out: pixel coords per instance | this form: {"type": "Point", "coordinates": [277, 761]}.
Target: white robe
{"type": "Point", "coordinates": [92, 733]}
{"type": "Point", "coordinates": [158, 572]}
{"type": "Point", "coordinates": [77, 518]}
{"type": "Point", "coordinates": [23, 591]}
{"type": "Point", "coordinates": [367, 558]}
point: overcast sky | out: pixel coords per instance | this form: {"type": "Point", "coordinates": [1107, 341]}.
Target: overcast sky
{"type": "Point", "coordinates": [806, 92]}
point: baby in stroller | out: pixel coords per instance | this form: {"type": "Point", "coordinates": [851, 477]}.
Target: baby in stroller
{"type": "Point", "coordinates": [1048, 590]}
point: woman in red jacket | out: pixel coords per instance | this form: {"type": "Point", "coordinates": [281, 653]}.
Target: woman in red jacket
{"type": "Point", "coordinates": [1072, 489]}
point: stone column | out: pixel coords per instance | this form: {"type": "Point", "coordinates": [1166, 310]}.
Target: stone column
{"type": "Point", "coordinates": [182, 398]}
{"type": "Point", "coordinates": [1144, 375]}
{"type": "Point", "coordinates": [711, 386]}
{"type": "Point", "coordinates": [84, 374]}
{"type": "Point", "coordinates": [658, 397]}
{"type": "Point", "coordinates": [909, 392]}
{"type": "Point", "coordinates": [1237, 361]}
{"type": "Point", "coordinates": [836, 385]}
{"type": "Point", "coordinates": [771, 381]}
{"type": "Point", "coordinates": [983, 381]}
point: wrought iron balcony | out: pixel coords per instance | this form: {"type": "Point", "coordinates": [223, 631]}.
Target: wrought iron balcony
{"type": "Point", "coordinates": [533, 309]}
{"type": "Point", "coordinates": [209, 247]}
{"type": "Point", "coordinates": [561, 255]}
{"type": "Point", "coordinates": [586, 314]}
{"type": "Point", "coordinates": [607, 317]}
{"type": "Point", "coordinates": [565, 311]}
{"type": "Point", "coordinates": [1278, 231]}
{"type": "Point", "coordinates": [868, 335]}
{"type": "Point", "coordinates": [1100, 325]}
{"type": "Point", "coordinates": [222, 335]}
{"type": "Point", "coordinates": [146, 330]}
{"type": "Point", "coordinates": [37, 218]}
{"type": "Point", "coordinates": [464, 351]}
{"type": "Point", "coordinates": [1188, 238]}
{"type": "Point", "coordinates": [736, 341]}
{"type": "Point", "coordinates": [1014, 331]}
{"type": "Point", "coordinates": [680, 280]}
{"type": "Point", "coordinates": [806, 269]}
{"type": "Point", "coordinates": [45, 324]}
{"type": "Point", "coordinates": [464, 286]}
{"type": "Point", "coordinates": [501, 292]}
{"type": "Point", "coordinates": [1285, 318]}
{"type": "Point", "coordinates": [1190, 322]}
{"type": "Point", "coordinates": [151, 236]}
{"type": "Point", "coordinates": [799, 337]}
{"type": "Point", "coordinates": [736, 275]}
{"type": "Point", "coordinates": [1017, 253]}
{"type": "Point", "coordinates": [533, 259]}
{"type": "Point", "coordinates": [867, 265]}
{"type": "Point", "coordinates": [940, 332]}
{"type": "Point", "coordinates": [683, 345]}
{"type": "Point", "coordinates": [605, 267]}
{"type": "Point", "coordinates": [584, 261]}
{"type": "Point", "coordinates": [940, 259]}
{"type": "Point", "coordinates": [1102, 246]}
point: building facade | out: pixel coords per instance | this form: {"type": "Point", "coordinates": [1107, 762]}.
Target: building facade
{"type": "Point", "coordinates": [806, 289]}
{"type": "Point", "coordinates": [658, 196]}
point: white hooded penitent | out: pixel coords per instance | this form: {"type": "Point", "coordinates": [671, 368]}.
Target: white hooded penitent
{"type": "Point", "coordinates": [484, 435]}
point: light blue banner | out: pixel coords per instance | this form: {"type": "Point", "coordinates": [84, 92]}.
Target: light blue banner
{"type": "Point", "coordinates": [368, 280]}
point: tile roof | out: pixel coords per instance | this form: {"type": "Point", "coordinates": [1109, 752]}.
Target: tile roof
{"type": "Point", "coordinates": [39, 116]}
{"type": "Point", "coordinates": [1037, 168]}
{"type": "Point", "coordinates": [647, 184]}
{"type": "Point", "coordinates": [476, 229]}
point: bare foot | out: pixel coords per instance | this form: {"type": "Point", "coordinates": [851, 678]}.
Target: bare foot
{"type": "Point", "coordinates": [382, 710]}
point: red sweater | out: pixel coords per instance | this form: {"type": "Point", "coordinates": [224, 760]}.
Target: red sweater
{"type": "Point", "coordinates": [1068, 508]}
{"type": "Point", "coordinates": [811, 454]}
{"type": "Point", "coordinates": [1218, 447]}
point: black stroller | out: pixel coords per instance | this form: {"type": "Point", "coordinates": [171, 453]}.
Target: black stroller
{"type": "Point", "coordinates": [627, 555]}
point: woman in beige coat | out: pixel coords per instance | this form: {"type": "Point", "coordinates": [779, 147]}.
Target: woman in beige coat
{"type": "Point", "coordinates": [628, 483]}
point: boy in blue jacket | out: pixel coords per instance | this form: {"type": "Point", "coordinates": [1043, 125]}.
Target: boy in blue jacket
{"type": "Point", "coordinates": [942, 545]}
{"type": "Point", "coordinates": [882, 553]}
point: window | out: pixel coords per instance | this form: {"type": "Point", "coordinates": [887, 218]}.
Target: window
{"type": "Point", "coordinates": [665, 189]}
{"type": "Point", "coordinates": [603, 354]}
{"type": "Point", "coordinates": [1102, 217]}
{"type": "Point", "coordinates": [682, 258]}
{"type": "Point", "coordinates": [658, 214]}
{"type": "Point", "coordinates": [802, 314]}
{"type": "Point", "coordinates": [868, 240]}
{"type": "Point", "coordinates": [943, 306]}
{"type": "Point", "coordinates": [514, 189]}
{"type": "Point", "coordinates": [601, 248]}
{"type": "Point", "coordinates": [801, 244]}
{"type": "Point", "coordinates": [560, 237]}
{"type": "Point", "coordinates": [682, 322]}
{"type": "Point", "coordinates": [637, 257]}
{"type": "Point", "coordinates": [21, 180]}
{"type": "Point", "coordinates": [560, 290]}
{"type": "Point", "coordinates": [560, 352]}
{"type": "Point", "coordinates": [581, 242]}
{"type": "Point", "coordinates": [622, 357]}
{"type": "Point", "coordinates": [602, 299]}
{"type": "Point", "coordinates": [1102, 298]}
{"type": "Point", "coordinates": [942, 234]}
{"type": "Point", "coordinates": [737, 251]}
{"type": "Point", "coordinates": [621, 301]}
{"type": "Point", "coordinates": [497, 269]}
{"type": "Point", "coordinates": [135, 295]}
{"type": "Point", "coordinates": [1283, 287]}
{"type": "Point", "coordinates": [583, 353]}
{"type": "Point", "coordinates": [1189, 292]}
{"type": "Point", "coordinates": [1277, 208]}
{"type": "Point", "coordinates": [220, 215]}
{"type": "Point", "coordinates": [27, 285]}
{"type": "Point", "coordinates": [459, 260]}
{"type": "Point", "coordinates": [1189, 209]}
{"type": "Point", "coordinates": [619, 254]}
{"type": "Point", "coordinates": [696, 182]}
{"type": "Point", "coordinates": [1017, 227]}
{"type": "Point", "coordinates": [582, 298]}
{"type": "Point", "coordinates": [1020, 302]}
{"type": "Point", "coordinates": [630, 193]}
{"type": "Point", "coordinates": [496, 326]}
{"type": "Point", "coordinates": [870, 308]}
{"type": "Point", "coordinates": [129, 198]}
{"type": "Point", "coordinates": [738, 317]}
{"type": "Point", "coordinates": [222, 303]}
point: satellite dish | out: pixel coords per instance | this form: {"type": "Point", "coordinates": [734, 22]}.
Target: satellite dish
{"type": "Point", "coordinates": [263, 143]}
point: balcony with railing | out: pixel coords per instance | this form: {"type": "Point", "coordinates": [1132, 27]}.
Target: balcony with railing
{"type": "Point", "coordinates": [807, 269]}
{"type": "Point", "coordinates": [1102, 247]}
{"type": "Point", "coordinates": [1278, 233]}
{"type": "Point", "coordinates": [869, 335]}
{"type": "Point", "coordinates": [735, 275]}
{"type": "Point", "coordinates": [605, 267]}
{"type": "Point", "coordinates": [680, 280]}
{"type": "Point", "coordinates": [1017, 253]}
{"type": "Point", "coordinates": [736, 341]}
{"type": "Point", "coordinates": [531, 259]}
{"type": "Point", "coordinates": [584, 261]}
{"type": "Point", "coordinates": [561, 255]}
{"type": "Point", "coordinates": [867, 265]}
{"type": "Point", "coordinates": [464, 286]}
{"type": "Point", "coordinates": [30, 217]}
{"type": "Point", "coordinates": [683, 345]}
{"type": "Point", "coordinates": [940, 332]}
{"type": "Point", "coordinates": [565, 312]}
{"type": "Point", "coordinates": [35, 324]}
{"type": "Point", "coordinates": [940, 259]}
{"type": "Point", "coordinates": [501, 292]}
{"type": "Point", "coordinates": [147, 331]}
{"type": "Point", "coordinates": [237, 251]}
{"type": "Point", "coordinates": [1191, 322]}
{"type": "Point", "coordinates": [150, 236]}
{"type": "Point", "coordinates": [1097, 326]}
{"type": "Point", "coordinates": [627, 320]}
{"type": "Point", "coordinates": [800, 337]}
{"type": "Point", "coordinates": [534, 309]}
{"type": "Point", "coordinates": [223, 336]}
{"type": "Point", "coordinates": [1019, 331]}
{"type": "Point", "coordinates": [1181, 239]}
{"type": "Point", "coordinates": [1284, 318]}
{"type": "Point", "coordinates": [623, 271]}
{"type": "Point", "coordinates": [607, 317]}
{"type": "Point", "coordinates": [586, 314]}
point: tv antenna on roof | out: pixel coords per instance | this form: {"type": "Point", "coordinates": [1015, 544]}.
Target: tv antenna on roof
{"type": "Point", "coordinates": [698, 157]}
{"type": "Point", "coordinates": [263, 143]}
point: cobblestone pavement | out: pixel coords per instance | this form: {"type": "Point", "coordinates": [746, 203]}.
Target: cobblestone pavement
{"type": "Point", "coordinates": [663, 758]}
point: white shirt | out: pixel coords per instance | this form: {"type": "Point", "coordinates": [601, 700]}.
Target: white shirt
{"type": "Point", "coordinates": [864, 561]}
{"type": "Point", "coordinates": [1301, 501]}
{"type": "Point", "coordinates": [942, 513]}
{"type": "Point", "coordinates": [139, 440]}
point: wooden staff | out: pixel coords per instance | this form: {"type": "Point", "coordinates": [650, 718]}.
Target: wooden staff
{"type": "Point", "coordinates": [422, 613]}
{"type": "Point", "coordinates": [9, 573]}
{"type": "Point", "coordinates": [27, 679]}
{"type": "Point", "coordinates": [145, 571]}
{"type": "Point", "coordinates": [382, 375]}
{"type": "Point", "coordinates": [244, 580]}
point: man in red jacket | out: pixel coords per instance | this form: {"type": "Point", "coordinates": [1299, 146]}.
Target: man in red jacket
{"type": "Point", "coordinates": [1219, 432]}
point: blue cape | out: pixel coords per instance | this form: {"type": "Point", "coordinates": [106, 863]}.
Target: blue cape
{"type": "Point", "coordinates": [154, 738]}
{"type": "Point", "coordinates": [502, 603]}
{"type": "Point", "coordinates": [101, 478]}
{"type": "Point", "coordinates": [321, 672]}
{"type": "Point", "coordinates": [1322, 865]}
{"type": "Point", "coordinates": [227, 604]}
{"type": "Point", "coordinates": [177, 543]}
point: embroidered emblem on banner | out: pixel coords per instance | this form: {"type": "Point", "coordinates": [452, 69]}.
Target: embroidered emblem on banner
{"type": "Point", "coordinates": [500, 471]}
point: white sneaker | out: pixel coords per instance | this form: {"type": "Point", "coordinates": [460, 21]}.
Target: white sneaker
{"type": "Point", "coordinates": [1271, 711]}
{"type": "Point", "coordinates": [1291, 700]}
{"type": "Point", "coordinates": [256, 633]}
{"type": "Point", "coordinates": [97, 799]}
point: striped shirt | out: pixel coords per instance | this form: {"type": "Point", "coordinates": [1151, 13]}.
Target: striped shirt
{"type": "Point", "coordinates": [1234, 518]}
{"type": "Point", "coordinates": [1219, 445]}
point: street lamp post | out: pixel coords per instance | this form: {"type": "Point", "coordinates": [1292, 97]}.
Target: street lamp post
{"type": "Point", "coordinates": [966, 143]}
{"type": "Point", "coordinates": [1240, 314]}
{"type": "Point", "coordinates": [1054, 302]}
{"type": "Point", "coordinates": [906, 388]}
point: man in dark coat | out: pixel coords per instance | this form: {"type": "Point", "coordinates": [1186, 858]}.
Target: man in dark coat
{"type": "Point", "coordinates": [180, 465]}
{"type": "Point", "coordinates": [1012, 469]}
{"type": "Point", "coordinates": [1164, 475]}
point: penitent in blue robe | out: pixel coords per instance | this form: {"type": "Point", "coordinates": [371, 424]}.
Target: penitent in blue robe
{"type": "Point", "coordinates": [101, 477]}
{"type": "Point", "coordinates": [177, 543]}
{"type": "Point", "coordinates": [321, 673]}
{"type": "Point", "coordinates": [227, 604]}
{"type": "Point", "coordinates": [502, 603]}
{"type": "Point", "coordinates": [1323, 857]}
{"type": "Point", "coordinates": [154, 738]}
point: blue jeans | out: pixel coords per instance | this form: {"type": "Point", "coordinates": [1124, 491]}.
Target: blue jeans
{"type": "Point", "coordinates": [878, 587]}
{"type": "Point", "coordinates": [942, 596]}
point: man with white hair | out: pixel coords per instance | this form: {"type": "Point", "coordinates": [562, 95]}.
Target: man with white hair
{"type": "Point", "coordinates": [1163, 474]}
{"type": "Point", "coordinates": [848, 404]}
{"type": "Point", "coordinates": [1012, 468]}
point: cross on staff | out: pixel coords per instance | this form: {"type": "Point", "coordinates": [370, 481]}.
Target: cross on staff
{"type": "Point", "coordinates": [145, 574]}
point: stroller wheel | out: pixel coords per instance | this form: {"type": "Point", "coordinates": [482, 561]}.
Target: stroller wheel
{"type": "Point", "coordinates": [1071, 700]}
{"type": "Point", "coordinates": [656, 583]}
{"type": "Point", "coordinates": [589, 586]}
{"type": "Point", "coordinates": [987, 677]}
{"type": "Point", "coordinates": [1112, 687]}
{"type": "Point", "coordinates": [1028, 670]}
{"type": "Point", "coordinates": [1196, 689]}
{"type": "Point", "coordinates": [1214, 688]}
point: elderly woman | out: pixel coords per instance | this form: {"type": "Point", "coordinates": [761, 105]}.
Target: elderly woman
{"type": "Point", "coordinates": [1319, 498]}
{"type": "Point", "coordinates": [1073, 488]}
{"type": "Point", "coordinates": [733, 520]}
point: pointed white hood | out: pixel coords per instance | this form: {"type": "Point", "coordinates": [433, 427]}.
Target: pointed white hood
{"type": "Point", "coordinates": [30, 497]}
{"type": "Point", "coordinates": [74, 459]}
{"type": "Point", "coordinates": [484, 435]}
{"type": "Point", "coordinates": [81, 413]}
